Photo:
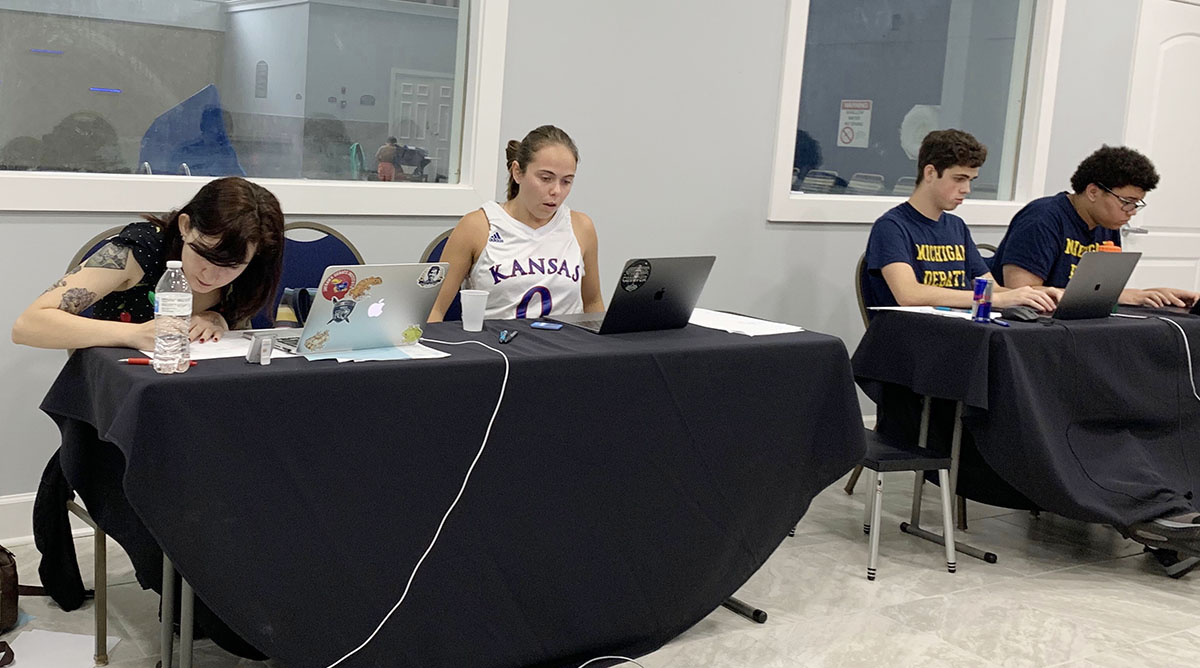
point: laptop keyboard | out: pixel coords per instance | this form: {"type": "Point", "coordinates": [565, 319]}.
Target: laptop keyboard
{"type": "Point", "coordinates": [287, 343]}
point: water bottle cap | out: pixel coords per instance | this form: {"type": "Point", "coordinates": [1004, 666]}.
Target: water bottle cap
{"type": "Point", "coordinates": [174, 264]}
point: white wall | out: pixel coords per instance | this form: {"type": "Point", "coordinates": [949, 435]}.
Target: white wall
{"type": "Point", "coordinates": [1093, 83]}
{"type": "Point", "coordinates": [278, 35]}
{"type": "Point", "coordinates": [650, 93]}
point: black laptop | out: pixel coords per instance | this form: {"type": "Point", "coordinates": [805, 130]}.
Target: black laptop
{"type": "Point", "coordinates": [653, 294]}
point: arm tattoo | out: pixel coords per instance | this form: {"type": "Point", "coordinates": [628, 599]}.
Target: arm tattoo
{"type": "Point", "coordinates": [76, 300]}
{"type": "Point", "coordinates": [63, 281]}
{"type": "Point", "coordinates": [111, 256]}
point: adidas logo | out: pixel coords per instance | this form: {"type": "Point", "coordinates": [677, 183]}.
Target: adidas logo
{"type": "Point", "coordinates": [495, 238]}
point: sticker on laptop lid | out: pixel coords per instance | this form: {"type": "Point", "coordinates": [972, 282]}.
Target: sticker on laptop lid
{"type": "Point", "coordinates": [635, 275]}
{"type": "Point", "coordinates": [411, 334]}
{"type": "Point", "coordinates": [361, 288]}
{"type": "Point", "coordinates": [338, 285]}
{"type": "Point", "coordinates": [431, 277]}
{"type": "Point", "coordinates": [317, 341]}
{"type": "Point", "coordinates": [342, 309]}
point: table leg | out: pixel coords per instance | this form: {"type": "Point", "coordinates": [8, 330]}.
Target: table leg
{"type": "Point", "coordinates": [914, 528]}
{"type": "Point", "coordinates": [186, 619]}
{"type": "Point", "coordinates": [167, 613]}
{"type": "Point", "coordinates": [960, 515]}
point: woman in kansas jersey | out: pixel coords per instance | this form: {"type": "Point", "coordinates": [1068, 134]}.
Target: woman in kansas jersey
{"type": "Point", "coordinates": [532, 254]}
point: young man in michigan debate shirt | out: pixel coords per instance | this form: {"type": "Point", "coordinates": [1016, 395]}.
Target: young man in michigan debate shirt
{"type": "Point", "coordinates": [920, 255]}
{"type": "Point", "coordinates": [1046, 238]}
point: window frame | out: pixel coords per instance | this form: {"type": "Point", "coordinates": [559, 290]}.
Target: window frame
{"type": "Point", "coordinates": [487, 31]}
{"type": "Point", "coordinates": [1033, 141]}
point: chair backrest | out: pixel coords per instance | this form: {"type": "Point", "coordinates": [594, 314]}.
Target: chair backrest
{"type": "Point", "coordinates": [863, 183]}
{"type": "Point", "coordinates": [904, 185]}
{"type": "Point", "coordinates": [433, 253]}
{"type": "Point", "coordinates": [987, 252]}
{"type": "Point", "coordinates": [304, 261]}
{"type": "Point", "coordinates": [94, 244]}
{"type": "Point", "coordinates": [858, 287]}
{"type": "Point", "coordinates": [819, 181]}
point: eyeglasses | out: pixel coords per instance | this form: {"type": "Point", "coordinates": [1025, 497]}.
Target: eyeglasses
{"type": "Point", "coordinates": [1127, 205]}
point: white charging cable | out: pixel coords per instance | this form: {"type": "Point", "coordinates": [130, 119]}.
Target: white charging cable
{"type": "Point", "coordinates": [1187, 350]}
{"type": "Point", "coordinates": [461, 489]}
{"type": "Point", "coordinates": [620, 658]}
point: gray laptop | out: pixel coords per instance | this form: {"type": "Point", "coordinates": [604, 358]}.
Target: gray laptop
{"type": "Point", "coordinates": [1097, 284]}
{"type": "Point", "coordinates": [363, 306]}
{"type": "Point", "coordinates": [652, 294]}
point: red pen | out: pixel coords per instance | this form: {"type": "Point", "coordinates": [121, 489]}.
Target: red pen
{"type": "Point", "coordinates": [144, 361]}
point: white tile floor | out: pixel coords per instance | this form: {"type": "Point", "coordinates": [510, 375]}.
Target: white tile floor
{"type": "Point", "coordinates": [1062, 594]}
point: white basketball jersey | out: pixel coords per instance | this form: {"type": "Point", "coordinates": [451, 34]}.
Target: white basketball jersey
{"type": "Point", "coordinates": [529, 273]}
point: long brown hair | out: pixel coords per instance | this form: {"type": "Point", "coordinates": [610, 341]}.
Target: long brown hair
{"type": "Point", "coordinates": [522, 152]}
{"type": "Point", "coordinates": [237, 213]}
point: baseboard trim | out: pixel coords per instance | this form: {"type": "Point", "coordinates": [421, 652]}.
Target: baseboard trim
{"type": "Point", "coordinates": [16, 520]}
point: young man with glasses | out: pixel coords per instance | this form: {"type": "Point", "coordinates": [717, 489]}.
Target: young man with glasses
{"type": "Point", "coordinates": [1046, 239]}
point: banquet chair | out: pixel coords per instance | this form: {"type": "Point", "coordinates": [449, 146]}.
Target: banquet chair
{"type": "Point", "coordinates": [305, 260]}
{"type": "Point", "coordinates": [433, 253]}
{"type": "Point", "coordinates": [885, 455]}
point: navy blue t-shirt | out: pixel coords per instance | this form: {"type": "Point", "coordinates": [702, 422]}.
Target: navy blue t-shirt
{"type": "Point", "coordinates": [1047, 237]}
{"type": "Point", "coordinates": [941, 252]}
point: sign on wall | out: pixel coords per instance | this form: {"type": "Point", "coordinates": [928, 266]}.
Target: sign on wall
{"type": "Point", "coordinates": [854, 124]}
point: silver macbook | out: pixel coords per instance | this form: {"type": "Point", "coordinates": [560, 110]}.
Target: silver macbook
{"type": "Point", "coordinates": [364, 306]}
{"type": "Point", "coordinates": [1096, 286]}
{"type": "Point", "coordinates": [653, 294]}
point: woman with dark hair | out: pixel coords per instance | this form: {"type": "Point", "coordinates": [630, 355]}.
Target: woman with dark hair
{"type": "Point", "coordinates": [532, 254]}
{"type": "Point", "coordinates": [230, 239]}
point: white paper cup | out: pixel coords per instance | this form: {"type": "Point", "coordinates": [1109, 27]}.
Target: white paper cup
{"type": "Point", "coordinates": [473, 304]}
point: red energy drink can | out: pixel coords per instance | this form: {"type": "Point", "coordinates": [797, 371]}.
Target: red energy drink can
{"type": "Point", "coordinates": [981, 309]}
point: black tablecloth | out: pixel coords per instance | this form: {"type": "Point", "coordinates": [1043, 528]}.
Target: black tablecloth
{"type": "Point", "coordinates": [1090, 419]}
{"type": "Point", "coordinates": [631, 483]}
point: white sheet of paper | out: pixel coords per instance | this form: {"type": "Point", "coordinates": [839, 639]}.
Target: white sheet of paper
{"type": "Point", "coordinates": [932, 310]}
{"type": "Point", "coordinates": [51, 649]}
{"type": "Point", "coordinates": [233, 344]}
{"type": "Point", "coordinates": [739, 324]}
{"type": "Point", "coordinates": [415, 351]}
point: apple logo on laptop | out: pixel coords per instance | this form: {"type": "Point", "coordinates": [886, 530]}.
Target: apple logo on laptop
{"type": "Point", "coordinates": [375, 310]}
{"type": "Point", "coordinates": [659, 295]}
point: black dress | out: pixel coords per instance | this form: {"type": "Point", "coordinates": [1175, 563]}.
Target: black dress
{"type": "Point", "coordinates": [94, 468]}
{"type": "Point", "coordinates": [145, 241]}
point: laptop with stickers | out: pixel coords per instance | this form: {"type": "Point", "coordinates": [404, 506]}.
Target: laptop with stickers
{"type": "Point", "coordinates": [653, 294]}
{"type": "Point", "coordinates": [363, 306]}
{"type": "Point", "coordinates": [1096, 286]}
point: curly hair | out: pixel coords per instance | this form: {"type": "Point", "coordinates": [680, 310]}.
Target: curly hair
{"type": "Point", "coordinates": [1115, 166]}
{"type": "Point", "coordinates": [949, 148]}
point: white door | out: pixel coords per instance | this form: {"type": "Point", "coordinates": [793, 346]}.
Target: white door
{"type": "Point", "coordinates": [420, 115]}
{"type": "Point", "coordinates": [1164, 103]}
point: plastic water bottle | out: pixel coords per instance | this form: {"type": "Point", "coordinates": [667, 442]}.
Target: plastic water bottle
{"type": "Point", "coordinates": [172, 320]}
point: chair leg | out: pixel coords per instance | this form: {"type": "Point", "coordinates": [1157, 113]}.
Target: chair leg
{"type": "Point", "coordinates": [869, 504]}
{"type": "Point", "coordinates": [961, 512]}
{"type": "Point", "coordinates": [947, 520]}
{"type": "Point", "coordinates": [100, 578]}
{"type": "Point", "coordinates": [876, 512]}
{"type": "Point", "coordinates": [853, 479]}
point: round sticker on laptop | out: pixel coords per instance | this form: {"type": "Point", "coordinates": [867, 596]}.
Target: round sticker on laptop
{"type": "Point", "coordinates": [635, 275]}
{"type": "Point", "coordinates": [338, 285]}
{"type": "Point", "coordinates": [431, 277]}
